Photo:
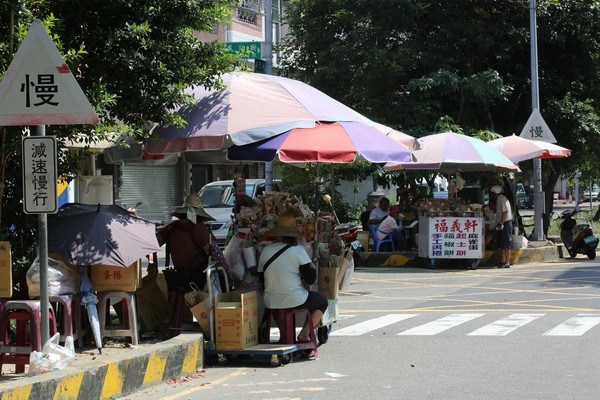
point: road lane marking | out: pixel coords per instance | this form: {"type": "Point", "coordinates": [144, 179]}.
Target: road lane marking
{"type": "Point", "coordinates": [371, 325]}
{"type": "Point", "coordinates": [575, 326]}
{"type": "Point", "coordinates": [440, 325]}
{"type": "Point", "coordinates": [504, 326]}
{"type": "Point", "coordinates": [210, 385]}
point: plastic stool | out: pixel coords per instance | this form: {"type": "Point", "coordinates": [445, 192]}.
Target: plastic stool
{"type": "Point", "coordinates": [288, 330]}
{"type": "Point", "coordinates": [129, 322]}
{"type": "Point", "coordinates": [28, 336]}
{"type": "Point", "coordinates": [68, 315]}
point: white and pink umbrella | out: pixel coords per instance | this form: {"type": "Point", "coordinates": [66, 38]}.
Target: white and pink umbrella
{"type": "Point", "coordinates": [519, 149]}
{"type": "Point", "coordinates": [451, 152]}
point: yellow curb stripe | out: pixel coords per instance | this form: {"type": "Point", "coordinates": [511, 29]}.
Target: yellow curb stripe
{"type": "Point", "coordinates": [191, 359]}
{"type": "Point", "coordinates": [18, 393]}
{"type": "Point", "coordinates": [154, 369]}
{"type": "Point", "coordinates": [68, 387]}
{"type": "Point", "coordinates": [113, 382]}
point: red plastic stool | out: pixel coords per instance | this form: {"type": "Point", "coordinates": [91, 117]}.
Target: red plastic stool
{"type": "Point", "coordinates": [68, 315]}
{"type": "Point", "coordinates": [28, 336]}
{"type": "Point", "coordinates": [288, 330]}
{"type": "Point", "coordinates": [129, 323]}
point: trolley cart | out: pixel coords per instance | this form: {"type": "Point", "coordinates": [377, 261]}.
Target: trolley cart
{"type": "Point", "coordinates": [278, 354]}
{"type": "Point", "coordinates": [325, 326]}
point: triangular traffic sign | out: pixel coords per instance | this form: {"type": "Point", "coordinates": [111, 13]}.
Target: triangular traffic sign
{"type": "Point", "coordinates": [537, 129]}
{"type": "Point", "coordinates": [39, 88]}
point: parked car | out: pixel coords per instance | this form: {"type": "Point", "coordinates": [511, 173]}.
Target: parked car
{"type": "Point", "coordinates": [594, 195]}
{"type": "Point", "coordinates": [219, 197]}
{"type": "Point", "coordinates": [524, 196]}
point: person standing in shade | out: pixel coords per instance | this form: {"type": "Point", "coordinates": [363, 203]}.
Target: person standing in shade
{"type": "Point", "coordinates": [504, 218]}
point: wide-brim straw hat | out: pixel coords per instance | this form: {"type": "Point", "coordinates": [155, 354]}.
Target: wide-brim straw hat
{"type": "Point", "coordinates": [193, 201]}
{"type": "Point", "coordinates": [286, 226]}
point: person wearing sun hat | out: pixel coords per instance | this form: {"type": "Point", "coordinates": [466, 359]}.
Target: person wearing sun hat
{"type": "Point", "coordinates": [192, 209]}
{"type": "Point", "coordinates": [283, 266]}
{"type": "Point", "coordinates": [187, 239]}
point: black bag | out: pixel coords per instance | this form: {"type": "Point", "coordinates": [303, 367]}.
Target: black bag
{"type": "Point", "coordinates": [179, 280]}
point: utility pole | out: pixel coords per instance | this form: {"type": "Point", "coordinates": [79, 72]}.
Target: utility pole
{"type": "Point", "coordinates": [269, 71]}
{"type": "Point", "coordinates": [538, 198]}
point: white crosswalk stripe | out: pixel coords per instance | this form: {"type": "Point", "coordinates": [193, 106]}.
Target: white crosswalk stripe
{"type": "Point", "coordinates": [371, 325]}
{"type": "Point", "coordinates": [440, 325]}
{"type": "Point", "coordinates": [504, 326]}
{"type": "Point", "coordinates": [575, 326]}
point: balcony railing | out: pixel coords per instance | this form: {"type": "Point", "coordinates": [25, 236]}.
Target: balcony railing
{"type": "Point", "coordinates": [249, 10]}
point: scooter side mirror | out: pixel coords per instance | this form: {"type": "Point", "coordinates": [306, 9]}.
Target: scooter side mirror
{"type": "Point", "coordinates": [554, 216]}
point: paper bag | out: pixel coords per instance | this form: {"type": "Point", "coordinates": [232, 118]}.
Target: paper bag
{"type": "Point", "coordinates": [153, 306]}
{"type": "Point", "coordinates": [328, 280]}
{"type": "Point", "coordinates": [202, 312]}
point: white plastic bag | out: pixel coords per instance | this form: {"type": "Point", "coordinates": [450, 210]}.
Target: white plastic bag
{"type": "Point", "coordinates": [62, 278]}
{"type": "Point", "coordinates": [234, 257]}
{"type": "Point", "coordinates": [53, 356]}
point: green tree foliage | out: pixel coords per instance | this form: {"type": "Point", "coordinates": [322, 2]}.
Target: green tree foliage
{"type": "Point", "coordinates": [417, 64]}
{"type": "Point", "coordinates": [132, 58]}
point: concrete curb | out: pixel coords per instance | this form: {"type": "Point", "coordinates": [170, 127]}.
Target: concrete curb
{"type": "Point", "coordinates": [130, 371]}
{"type": "Point", "coordinates": [490, 258]}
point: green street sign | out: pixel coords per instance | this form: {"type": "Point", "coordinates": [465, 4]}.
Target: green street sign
{"type": "Point", "coordinates": [247, 50]}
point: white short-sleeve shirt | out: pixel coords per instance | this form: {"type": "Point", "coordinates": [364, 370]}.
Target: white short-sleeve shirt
{"type": "Point", "coordinates": [283, 284]}
{"type": "Point", "coordinates": [378, 213]}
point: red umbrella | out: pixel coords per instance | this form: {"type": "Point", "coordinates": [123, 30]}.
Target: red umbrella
{"type": "Point", "coordinates": [518, 149]}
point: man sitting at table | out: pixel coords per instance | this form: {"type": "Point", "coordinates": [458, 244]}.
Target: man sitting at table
{"type": "Point", "coordinates": [379, 213]}
{"type": "Point", "coordinates": [392, 224]}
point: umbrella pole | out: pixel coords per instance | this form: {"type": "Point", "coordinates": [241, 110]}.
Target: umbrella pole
{"type": "Point", "coordinates": [316, 241]}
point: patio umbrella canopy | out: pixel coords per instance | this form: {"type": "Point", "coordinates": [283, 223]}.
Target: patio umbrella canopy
{"type": "Point", "coordinates": [334, 142]}
{"type": "Point", "coordinates": [250, 107]}
{"type": "Point", "coordinates": [451, 152]}
{"type": "Point", "coordinates": [518, 149]}
{"type": "Point", "coordinates": [409, 141]}
{"type": "Point", "coordinates": [100, 235]}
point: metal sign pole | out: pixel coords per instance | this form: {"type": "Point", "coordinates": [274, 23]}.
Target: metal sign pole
{"type": "Point", "coordinates": [43, 259]}
{"type": "Point", "coordinates": [538, 198]}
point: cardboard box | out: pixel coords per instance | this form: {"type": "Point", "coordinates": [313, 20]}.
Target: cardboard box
{"type": "Point", "coordinates": [153, 306]}
{"type": "Point", "coordinates": [116, 279]}
{"type": "Point", "coordinates": [6, 283]}
{"type": "Point", "coordinates": [236, 315]}
{"type": "Point", "coordinates": [201, 312]}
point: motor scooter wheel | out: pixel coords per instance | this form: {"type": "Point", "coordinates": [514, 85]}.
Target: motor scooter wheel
{"type": "Point", "coordinates": [591, 253]}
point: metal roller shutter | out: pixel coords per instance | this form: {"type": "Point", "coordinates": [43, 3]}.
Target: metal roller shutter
{"type": "Point", "coordinates": [155, 186]}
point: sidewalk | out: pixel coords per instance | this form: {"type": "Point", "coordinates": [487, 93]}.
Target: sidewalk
{"type": "Point", "coordinates": [535, 252]}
